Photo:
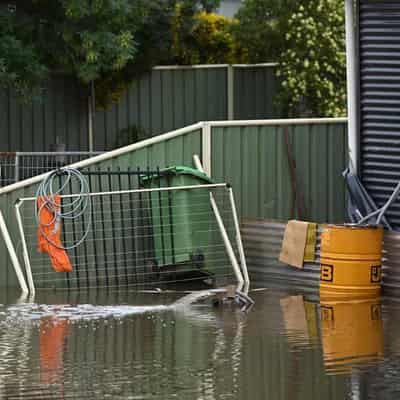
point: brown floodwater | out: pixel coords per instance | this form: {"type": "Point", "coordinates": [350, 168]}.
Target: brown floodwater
{"type": "Point", "coordinates": [124, 345]}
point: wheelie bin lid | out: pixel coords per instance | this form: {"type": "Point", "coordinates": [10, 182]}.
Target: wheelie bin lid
{"type": "Point", "coordinates": [178, 170]}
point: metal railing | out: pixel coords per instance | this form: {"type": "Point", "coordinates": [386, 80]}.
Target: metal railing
{"type": "Point", "coordinates": [17, 166]}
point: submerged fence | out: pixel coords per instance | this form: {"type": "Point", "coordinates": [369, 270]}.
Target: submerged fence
{"type": "Point", "coordinates": [263, 160]}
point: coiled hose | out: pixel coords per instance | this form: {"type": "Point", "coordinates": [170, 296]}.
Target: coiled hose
{"type": "Point", "coordinates": [73, 209]}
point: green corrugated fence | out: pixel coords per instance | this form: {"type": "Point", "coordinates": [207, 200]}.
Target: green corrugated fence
{"type": "Point", "coordinates": [251, 155]}
{"type": "Point", "coordinates": [164, 99]}
{"type": "Point", "coordinates": [254, 160]}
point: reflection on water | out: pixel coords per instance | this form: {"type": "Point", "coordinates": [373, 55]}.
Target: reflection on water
{"type": "Point", "coordinates": [352, 333]}
{"type": "Point", "coordinates": [138, 346]}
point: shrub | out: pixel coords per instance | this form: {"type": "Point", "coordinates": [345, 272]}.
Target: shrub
{"type": "Point", "coordinates": [313, 66]}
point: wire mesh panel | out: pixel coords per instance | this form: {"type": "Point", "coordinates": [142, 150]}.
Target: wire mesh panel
{"type": "Point", "coordinates": [7, 168]}
{"type": "Point", "coordinates": [139, 237]}
{"type": "Point", "coordinates": [17, 166]}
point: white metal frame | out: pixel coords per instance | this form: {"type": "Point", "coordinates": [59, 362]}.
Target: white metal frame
{"type": "Point", "coordinates": [13, 254]}
{"type": "Point", "coordinates": [241, 272]}
{"type": "Point", "coordinates": [239, 242]}
{"type": "Point", "coordinates": [27, 262]}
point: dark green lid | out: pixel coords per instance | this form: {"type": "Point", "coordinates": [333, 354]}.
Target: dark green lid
{"type": "Point", "coordinates": [180, 170]}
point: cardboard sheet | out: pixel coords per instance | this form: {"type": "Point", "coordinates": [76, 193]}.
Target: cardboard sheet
{"type": "Point", "coordinates": [294, 243]}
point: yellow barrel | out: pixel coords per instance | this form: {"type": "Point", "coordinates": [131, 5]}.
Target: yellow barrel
{"type": "Point", "coordinates": [350, 261]}
{"type": "Point", "coordinates": [352, 334]}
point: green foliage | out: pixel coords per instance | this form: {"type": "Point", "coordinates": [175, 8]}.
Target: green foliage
{"type": "Point", "coordinates": [106, 41]}
{"type": "Point", "coordinates": [153, 44]}
{"type": "Point", "coordinates": [20, 63]}
{"type": "Point", "coordinates": [261, 27]}
{"type": "Point", "coordinates": [208, 39]}
{"type": "Point", "coordinates": [194, 6]}
{"type": "Point", "coordinates": [313, 66]}
{"type": "Point", "coordinates": [112, 42]}
{"type": "Point", "coordinates": [129, 135]}
{"type": "Point", "coordinates": [88, 37]}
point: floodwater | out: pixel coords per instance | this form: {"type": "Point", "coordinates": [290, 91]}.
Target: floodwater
{"type": "Point", "coordinates": [140, 346]}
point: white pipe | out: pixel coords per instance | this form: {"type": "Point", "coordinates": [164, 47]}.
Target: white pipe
{"type": "Point", "coordinates": [239, 242]}
{"type": "Point", "coordinates": [108, 155]}
{"type": "Point", "coordinates": [278, 122]}
{"type": "Point", "coordinates": [225, 237]}
{"type": "Point", "coordinates": [258, 65]}
{"type": "Point", "coordinates": [196, 66]}
{"type": "Point", "coordinates": [129, 191]}
{"type": "Point", "coordinates": [228, 246]}
{"type": "Point", "coordinates": [352, 85]}
{"type": "Point", "coordinates": [206, 148]}
{"type": "Point", "coordinates": [212, 66]}
{"type": "Point", "coordinates": [197, 163]}
{"type": "Point", "coordinates": [13, 255]}
{"type": "Point", "coordinates": [24, 249]}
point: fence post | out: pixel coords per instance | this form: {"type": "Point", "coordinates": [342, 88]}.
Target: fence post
{"type": "Point", "coordinates": [206, 147]}
{"type": "Point", "coordinates": [16, 167]}
{"type": "Point", "coordinates": [230, 92]}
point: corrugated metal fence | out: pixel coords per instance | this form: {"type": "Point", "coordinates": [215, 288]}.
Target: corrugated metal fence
{"type": "Point", "coordinates": [59, 116]}
{"type": "Point", "coordinates": [253, 158]}
{"type": "Point", "coordinates": [166, 98]}
{"type": "Point", "coordinates": [248, 154]}
{"type": "Point", "coordinates": [379, 106]}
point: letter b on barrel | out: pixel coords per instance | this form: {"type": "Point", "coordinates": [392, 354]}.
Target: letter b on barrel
{"type": "Point", "coordinates": [326, 273]}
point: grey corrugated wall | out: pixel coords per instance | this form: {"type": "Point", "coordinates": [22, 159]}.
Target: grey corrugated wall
{"type": "Point", "coordinates": [166, 98]}
{"type": "Point", "coordinates": [379, 43]}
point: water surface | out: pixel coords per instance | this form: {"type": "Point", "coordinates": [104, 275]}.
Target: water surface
{"type": "Point", "coordinates": [139, 346]}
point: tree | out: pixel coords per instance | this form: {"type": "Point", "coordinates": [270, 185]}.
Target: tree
{"type": "Point", "coordinates": [153, 46]}
{"type": "Point", "coordinates": [261, 27]}
{"type": "Point", "coordinates": [208, 39]}
{"type": "Point", "coordinates": [108, 42]}
{"type": "Point", "coordinates": [21, 66]}
{"type": "Point", "coordinates": [313, 66]}
{"type": "Point", "coordinates": [88, 37]}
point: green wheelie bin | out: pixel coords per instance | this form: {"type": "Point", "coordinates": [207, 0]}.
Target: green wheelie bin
{"type": "Point", "coordinates": [182, 221]}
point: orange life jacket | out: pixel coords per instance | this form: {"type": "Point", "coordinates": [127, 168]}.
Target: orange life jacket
{"type": "Point", "coordinates": [49, 235]}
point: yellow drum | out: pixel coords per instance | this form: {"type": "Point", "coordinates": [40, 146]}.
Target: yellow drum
{"type": "Point", "coordinates": [350, 261]}
{"type": "Point", "coordinates": [352, 334]}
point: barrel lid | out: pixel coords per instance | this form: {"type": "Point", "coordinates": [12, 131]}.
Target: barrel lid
{"type": "Point", "coordinates": [354, 226]}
